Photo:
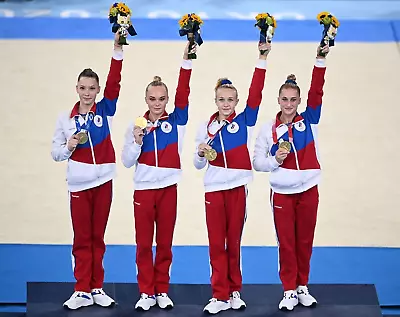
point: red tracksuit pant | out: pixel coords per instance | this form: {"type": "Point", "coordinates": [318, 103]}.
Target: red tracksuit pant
{"type": "Point", "coordinates": [154, 208]}
{"type": "Point", "coordinates": [89, 212]}
{"type": "Point", "coordinates": [225, 217]}
{"type": "Point", "coordinates": [295, 217]}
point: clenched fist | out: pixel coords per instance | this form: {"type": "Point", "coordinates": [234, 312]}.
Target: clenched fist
{"type": "Point", "coordinates": [73, 142]}
{"type": "Point", "coordinates": [280, 155]}
{"type": "Point", "coordinates": [202, 148]}
{"type": "Point", "coordinates": [138, 134]}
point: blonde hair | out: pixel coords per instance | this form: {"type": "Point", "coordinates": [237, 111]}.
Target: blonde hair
{"type": "Point", "coordinates": [156, 82]}
{"type": "Point", "coordinates": [225, 83]}
{"type": "Point", "coordinates": [290, 83]}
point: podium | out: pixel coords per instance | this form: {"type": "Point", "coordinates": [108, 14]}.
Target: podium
{"type": "Point", "coordinates": [334, 300]}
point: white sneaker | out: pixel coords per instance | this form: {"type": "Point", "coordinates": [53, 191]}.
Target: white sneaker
{"type": "Point", "coordinates": [305, 298]}
{"type": "Point", "coordinates": [78, 300]}
{"type": "Point", "coordinates": [289, 301]}
{"type": "Point", "coordinates": [164, 301]}
{"type": "Point", "coordinates": [145, 302]}
{"type": "Point", "coordinates": [215, 306]}
{"type": "Point", "coordinates": [236, 301]}
{"type": "Point", "coordinates": [101, 298]}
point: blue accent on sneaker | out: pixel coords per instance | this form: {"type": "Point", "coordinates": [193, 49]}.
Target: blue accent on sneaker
{"type": "Point", "coordinates": [83, 296]}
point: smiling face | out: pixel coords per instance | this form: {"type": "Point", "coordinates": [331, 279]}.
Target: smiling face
{"type": "Point", "coordinates": [87, 89]}
{"type": "Point", "coordinates": [226, 101]}
{"type": "Point", "coordinates": [289, 100]}
{"type": "Point", "coordinates": [156, 99]}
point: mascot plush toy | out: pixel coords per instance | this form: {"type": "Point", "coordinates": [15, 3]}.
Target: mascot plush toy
{"type": "Point", "coordinates": [120, 18]}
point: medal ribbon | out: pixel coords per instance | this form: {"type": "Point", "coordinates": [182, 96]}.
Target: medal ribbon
{"type": "Point", "coordinates": [87, 123]}
{"type": "Point", "coordinates": [290, 132]}
{"type": "Point", "coordinates": [213, 135]}
{"type": "Point", "coordinates": [153, 127]}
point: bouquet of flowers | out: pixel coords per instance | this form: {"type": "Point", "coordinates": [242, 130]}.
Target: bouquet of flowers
{"type": "Point", "coordinates": [329, 33]}
{"type": "Point", "coordinates": [267, 25]}
{"type": "Point", "coordinates": [120, 17]}
{"type": "Point", "coordinates": [190, 26]}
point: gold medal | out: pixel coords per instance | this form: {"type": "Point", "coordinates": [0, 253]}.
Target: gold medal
{"type": "Point", "coordinates": [83, 137]}
{"type": "Point", "coordinates": [210, 155]}
{"type": "Point", "coordinates": [285, 145]}
{"type": "Point", "coordinates": [141, 122]}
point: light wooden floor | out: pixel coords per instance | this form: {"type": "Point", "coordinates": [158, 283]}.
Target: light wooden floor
{"type": "Point", "coordinates": [358, 136]}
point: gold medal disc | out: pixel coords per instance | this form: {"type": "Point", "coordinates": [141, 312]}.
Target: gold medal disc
{"type": "Point", "coordinates": [83, 137]}
{"type": "Point", "coordinates": [141, 122]}
{"type": "Point", "coordinates": [285, 145]}
{"type": "Point", "coordinates": [210, 155]}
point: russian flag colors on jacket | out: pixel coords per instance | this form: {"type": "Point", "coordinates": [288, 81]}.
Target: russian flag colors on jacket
{"type": "Point", "coordinates": [301, 169]}
{"type": "Point", "coordinates": [232, 167]}
{"type": "Point", "coordinates": [93, 163]}
{"type": "Point", "coordinates": [157, 160]}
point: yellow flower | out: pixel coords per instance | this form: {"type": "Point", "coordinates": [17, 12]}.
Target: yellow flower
{"type": "Point", "coordinates": [196, 18]}
{"type": "Point", "coordinates": [122, 7]}
{"type": "Point", "coordinates": [335, 21]}
{"type": "Point", "coordinates": [268, 18]}
{"type": "Point", "coordinates": [185, 19]}
{"type": "Point", "coordinates": [322, 15]}
{"type": "Point", "coordinates": [261, 16]}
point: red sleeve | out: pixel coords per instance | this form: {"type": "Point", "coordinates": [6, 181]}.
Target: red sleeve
{"type": "Point", "coordinates": [183, 88]}
{"type": "Point", "coordinates": [256, 88]}
{"type": "Point", "coordinates": [316, 89]}
{"type": "Point", "coordinates": [113, 86]}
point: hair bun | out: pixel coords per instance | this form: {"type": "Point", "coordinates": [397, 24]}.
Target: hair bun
{"type": "Point", "coordinates": [291, 79]}
{"type": "Point", "coordinates": [222, 82]}
{"type": "Point", "coordinates": [157, 79]}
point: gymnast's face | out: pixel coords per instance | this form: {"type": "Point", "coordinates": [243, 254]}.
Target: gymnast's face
{"type": "Point", "coordinates": [87, 89]}
{"type": "Point", "coordinates": [157, 99]}
{"type": "Point", "coordinates": [226, 101]}
{"type": "Point", "coordinates": [289, 100]}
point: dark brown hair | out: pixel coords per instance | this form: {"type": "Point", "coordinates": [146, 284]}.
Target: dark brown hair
{"type": "Point", "coordinates": [88, 72]}
{"type": "Point", "coordinates": [290, 83]}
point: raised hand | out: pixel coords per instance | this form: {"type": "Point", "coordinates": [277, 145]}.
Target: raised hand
{"type": "Point", "coordinates": [324, 50]}
{"type": "Point", "coordinates": [186, 52]}
{"type": "Point", "coordinates": [264, 49]}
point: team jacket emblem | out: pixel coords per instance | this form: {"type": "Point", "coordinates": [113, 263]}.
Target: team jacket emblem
{"type": "Point", "coordinates": [233, 127]}
{"type": "Point", "coordinates": [300, 126]}
{"type": "Point", "coordinates": [98, 121]}
{"type": "Point", "coordinates": [166, 127]}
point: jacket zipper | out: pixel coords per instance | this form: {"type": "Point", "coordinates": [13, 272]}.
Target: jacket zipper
{"type": "Point", "coordinates": [295, 155]}
{"type": "Point", "coordinates": [92, 150]}
{"type": "Point", "coordinates": [155, 147]}
{"type": "Point", "coordinates": [223, 149]}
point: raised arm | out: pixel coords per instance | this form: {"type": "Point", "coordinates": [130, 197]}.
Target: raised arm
{"type": "Point", "coordinates": [181, 111]}
{"type": "Point", "coordinates": [257, 85]}
{"type": "Point", "coordinates": [263, 161]}
{"type": "Point", "coordinates": [111, 91]}
{"type": "Point", "coordinates": [315, 93]}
